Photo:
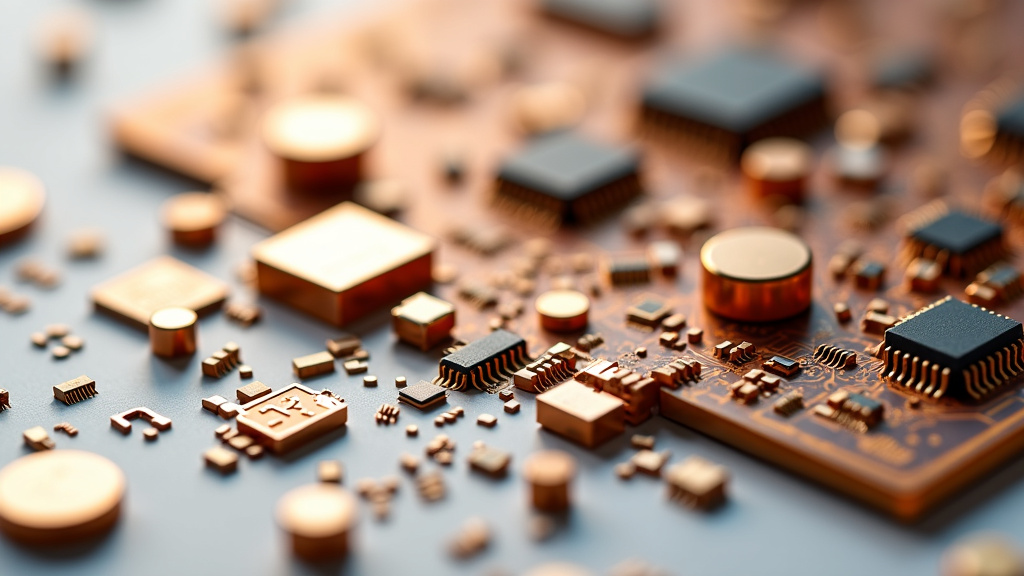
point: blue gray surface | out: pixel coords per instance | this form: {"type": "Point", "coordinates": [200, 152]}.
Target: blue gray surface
{"type": "Point", "coordinates": [183, 519]}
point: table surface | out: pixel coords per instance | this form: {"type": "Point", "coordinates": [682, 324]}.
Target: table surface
{"type": "Point", "coordinates": [181, 518]}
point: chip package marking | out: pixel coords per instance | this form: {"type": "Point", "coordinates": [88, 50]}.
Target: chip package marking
{"type": "Point", "coordinates": [74, 391]}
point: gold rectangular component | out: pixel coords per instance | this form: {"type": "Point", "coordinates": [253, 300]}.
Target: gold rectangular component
{"type": "Point", "coordinates": [134, 295]}
{"type": "Point", "coordinates": [252, 391]}
{"type": "Point", "coordinates": [581, 414]}
{"type": "Point", "coordinates": [74, 391]}
{"type": "Point", "coordinates": [423, 320]}
{"type": "Point", "coordinates": [313, 364]}
{"type": "Point", "coordinates": [291, 417]}
{"type": "Point", "coordinates": [343, 263]}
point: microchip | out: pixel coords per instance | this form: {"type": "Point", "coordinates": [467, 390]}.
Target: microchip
{"type": "Point", "coordinates": [648, 312]}
{"type": "Point", "coordinates": [961, 243]}
{"type": "Point", "coordinates": [567, 178]}
{"type": "Point", "coordinates": [782, 366]}
{"type": "Point", "coordinates": [1009, 140]}
{"type": "Point", "coordinates": [625, 269]}
{"type": "Point", "coordinates": [484, 363]}
{"type": "Point", "coordinates": [953, 349]}
{"type": "Point", "coordinates": [723, 103]}
{"type": "Point", "coordinates": [74, 391]}
{"type": "Point", "coordinates": [423, 395]}
{"type": "Point", "coordinates": [624, 18]}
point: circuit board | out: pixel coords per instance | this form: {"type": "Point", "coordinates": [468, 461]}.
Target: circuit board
{"type": "Point", "coordinates": [916, 460]}
{"type": "Point", "coordinates": [446, 145]}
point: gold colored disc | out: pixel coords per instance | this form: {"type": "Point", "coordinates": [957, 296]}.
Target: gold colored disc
{"type": "Point", "coordinates": [777, 160]}
{"type": "Point", "coordinates": [319, 128]}
{"type": "Point", "coordinates": [193, 217]}
{"type": "Point", "coordinates": [319, 518]}
{"type": "Point", "coordinates": [173, 318]}
{"type": "Point", "coordinates": [548, 106]}
{"type": "Point", "coordinates": [59, 496]}
{"type": "Point", "coordinates": [22, 196]}
{"type": "Point", "coordinates": [563, 310]}
{"type": "Point", "coordinates": [756, 274]}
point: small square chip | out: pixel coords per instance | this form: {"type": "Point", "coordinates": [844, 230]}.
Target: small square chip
{"type": "Point", "coordinates": [721, 104]}
{"type": "Point", "coordinates": [567, 178]}
{"type": "Point", "coordinates": [953, 349]}
{"type": "Point", "coordinates": [648, 312]}
{"type": "Point", "coordinates": [423, 395]}
{"type": "Point", "coordinates": [962, 244]}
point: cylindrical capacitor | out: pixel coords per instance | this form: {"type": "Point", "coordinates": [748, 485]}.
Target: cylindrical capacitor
{"type": "Point", "coordinates": [777, 167]}
{"type": "Point", "coordinates": [756, 274]}
{"type": "Point", "coordinates": [319, 519]}
{"type": "Point", "coordinates": [172, 332]}
{"type": "Point", "coordinates": [320, 141]}
{"type": "Point", "coordinates": [549, 474]}
{"type": "Point", "coordinates": [563, 310]}
{"type": "Point", "coordinates": [193, 218]}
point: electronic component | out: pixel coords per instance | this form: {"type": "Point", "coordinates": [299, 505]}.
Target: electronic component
{"type": "Point", "coordinates": [567, 178]}
{"type": "Point", "coordinates": [697, 482]}
{"type": "Point", "coordinates": [720, 104]}
{"type": "Point", "coordinates": [563, 310]}
{"type": "Point", "coordinates": [789, 403]}
{"type": "Point", "coordinates": [423, 320]}
{"type": "Point", "coordinates": [1008, 140]}
{"type": "Point", "coordinates": [60, 497]}
{"type": "Point", "coordinates": [624, 18]}
{"type": "Point", "coordinates": [343, 263]}
{"type": "Point", "coordinates": [74, 391]}
{"type": "Point", "coordinates": [472, 538]}
{"type": "Point", "coordinates": [37, 439]}
{"type": "Point", "coordinates": [550, 473]}
{"type": "Point", "coordinates": [386, 414]}
{"type": "Point", "coordinates": [777, 168]}
{"type": "Point", "coordinates": [580, 413]}
{"type": "Point", "coordinates": [877, 322]}
{"type": "Point", "coordinates": [953, 349]}
{"type": "Point", "coordinates": [424, 395]}
{"type": "Point", "coordinates": [66, 428]}
{"type": "Point", "coordinates": [163, 282]}
{"type": "Point", "coordinates": [626, 269]}
{"type": "Point", "coordinates": [221, 459]}
{"type": "Point", "coordinates": [923, 275]}
{"type": "Point", "coordinates": [738, 354]}
{"type": "Point", "coordinates": [484, 363]}
{"type": "Point", "coordinates": [639, 394]}
{"type": "Point", "coordinates": [649, 462]}
{"type": "Point", "coordinates": [677, 372]}
{"type": "Point", "coordinates": [835, 357]}
{"type": "Point", "coordinates": [222, 361]}
{"type": "Point", "coordinates": [172, 332]}
{"type": "Point", "coordinates": [344, 345]}
{"type": "Point", "coordinates": [292, 417]}
{"type": "Point", "coordinates": [756, 274]}
{"type": "Point", "coordinates": [649, 312]}
{"type": "Point", "coordinates": [997, 284]}
{"type": "Point", "coordinates": [22, 195]}
{"type": "Point", "coordinates": [122, 421]}
{"type": "Point", "coordinates": [244, 314]}
{"type": "Point", "coordinates": [961, 243]}
{"type": "Point", "coordinates": [555, 365]}
{"type": "Point", "coordinates": [252, 391]}
{"type": "Point", "coordinates": [313, 364]}
{"type": "Point", "coordinates": [318, 519]}
{"type": "Point", "coordinates": [855, 411]}
{"type": "Point", "coordinates": [868, 274]}
{"type": "Point", "coordinates": [782, 366]}
{"type": "Point", "coordinates": [5, 400]}
{"type": "Point", "coordinates": [490, 461]}
{"type": "Point", "coordinates": [193, 218]}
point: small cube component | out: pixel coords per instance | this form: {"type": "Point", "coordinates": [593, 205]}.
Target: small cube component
{"type": "Point", "coordinates": [485, 363]}
{"type": "Point", "coordinates": [74, 391]}
{"type": "Point", "coordinates": [213, 403]}
{"type": "Point", "coordinates": [789, 403]}
{"type": "Point", "coordinates": [868, 274]}
{"type": "Point", "coordinates": [244, 314]}
{"type": "Point", "coordinates": [877, 322]}
{"type": "Point", "coordinates": [626, 269]}
{"type": "Point", "coordinates": [193, 218]}
{"type": "Point", "coordinates": [782, 366]}
{"type": "Point", "coordinates": [997, 284]}
{"type": "Point", "coordinates": [487, 420]}
{"type": "Point", "coordinates": [313, 364]}
{"type": "Point", "coordinates": [489, 461]}
{"type": "Point", "coordinates": [565, 178]}
{"type": "Point", "coordinates": [953, 349]}
{"type": "Point", "coordinates": [344, 263]}
{"type": "Point", "coordinates": [853, 410]}
{"type": "Point", "coordinates": [629, 19]}
{"type": "Point", "coordinates": [330, 471]}
{"type": "Point", "coordinates": [777, 168]}
{"type": "Point", "coordinates": [1008, 144]}
{"type": "Point", "coordinates": [221, 459]}
{"type": "Point", "coordinates": [172, 332]}
{"type": "Point", "coordinates": [5, 400]}
{"type": "Point", "coordinates": [721, 104]}
{"type": "Point", "coordinates": [961, 243]}
{"type": "Point", "coordinates": [252, 391]}
{"type": "Point", "coordinates": [649, 312]}
{"type": "Point", "coordinates": [650, 462]}
{"type": "Point", "coordinates": [318, 519]}
{"type": "Point", "coordinates": [37, 439]}
{"type": "Point", "coordinates": [345, 345]}
{"type": "Point", "coordinates": [697, 483]}
{"type": "Point", "coordinates": [587, 416]}
{"type": "Point", "coordinates": [549, 474]}
{"type": "Point", "coordinates": [222, 361]}
{"type": "Point", "coordinates": [923, 275]}
{"type": "Point", "coordinates": [292, 417]}
{"type": "Point", "coordinates": [164, 282]}
{"type": "Point", "coordinates": [423, 395]}
{"type": "Point", "coordinates": [423, 320]}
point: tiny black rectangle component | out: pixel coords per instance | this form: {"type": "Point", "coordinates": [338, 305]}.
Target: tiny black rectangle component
{"type": "Point", "coordinates": [484, 363]}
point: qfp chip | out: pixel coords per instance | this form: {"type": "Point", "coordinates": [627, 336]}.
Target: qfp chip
{"type": "Point", "coordinates": [423, 395]}
{"type": "Point", "coordinates": [960, 243]}
{"type": "Point", "coordinates": [485, 363]}
{"type": "Point", "coordinates": [721, 104]}
{"type": "Point", "coordinates": [567, 178]}
{"type": "Point", "coordinates": [953, 349]}
{"type": "Point", "coordinates": [624, 18]}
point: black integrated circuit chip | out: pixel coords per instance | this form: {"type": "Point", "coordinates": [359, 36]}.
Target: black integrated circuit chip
{"type": "Point", "coordinates": [723, 103]}
{"type": "Point", "coordinates": [423, 395]}
{"type": "Point", "coordinates": [953, 349]}
{"type": "Point", "coordinates": [623, 18]}
{"type": "Point", "coordinates": [568, 178]}
{"type": "Point", "coordinates": [484, 363]}
{"type": "Point", "coordinates": [961, 243]}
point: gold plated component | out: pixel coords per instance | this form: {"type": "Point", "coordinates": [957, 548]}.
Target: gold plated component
{"type": "Point", "coordinates": [160, 283]}
{"type": "Point", "coordinates": [563, 310]}
{"type": "Point", "coordinates": [22, 196]}
{"type": "Point", "coordinates": [291, 417]}
{"type": "Point", "coordinates": [221, 459]}
{"type": "Point", "coordinates": [318, 519]}
{"type": "Point", "coordinates": [549, 474]}
{"type": "Point", "coordinates": [343, 263]}
{"type": "Point", "coordinates": [423, 320]}
{"type": "Point", "coordinates": [756, 274]}
{"type": "Point", "coordinates": [74, 391]}
{"type": "Point", "coordinates": [320, 141]}
{"type": "Point", "coordinates": [193, 218]}
{"type": "Point", "coordinates": [252, 391]}
{"type": "Point", "coordinates": [548, 106]}
{"type": "Point", "coordinates": [580, 413]}
{"type": "Point", "coordinates": [777, 167]}
{"type": "Point", "coordinates": [313, 364]}
{"type": "Point", "coordinates": [59, 497]}
{"type": "Point", "coordinates": [697, 483]}
{"type": "Point", "coordinates": [123, 420]}
{"type": "Point", "coordinates": [37, 439]}
{"type": "Point", "coordinates": [172, 332]}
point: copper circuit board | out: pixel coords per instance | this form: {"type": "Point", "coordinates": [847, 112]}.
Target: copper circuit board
{"type": "Point", "coordinates": [916, 460]}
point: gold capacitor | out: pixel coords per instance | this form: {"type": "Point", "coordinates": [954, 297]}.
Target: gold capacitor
{"type": "Point", "coordinates": [320, 141]}
{"type": "Point", "coordinates": [549, 474]}
{"type": "Point", "coordinates": [193, 218]}
{"type": "Point", "coordinates": [22, 196]}
{"type": "Point", "coordinates": [563, 310]}
{"type": "Point", "coordinates": [756, 274]}
{"type": "Point", "coordinates": [319, 519]}
{"type": "Point", "coordinates": [777, 167]}
{"type": "Point", "coordinates": [172, 332]}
